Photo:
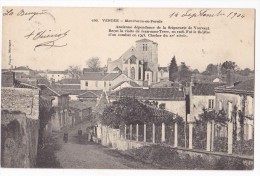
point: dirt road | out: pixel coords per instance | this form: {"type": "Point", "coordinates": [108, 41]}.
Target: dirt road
{"type": "Point", "coordinates": [88, 155]}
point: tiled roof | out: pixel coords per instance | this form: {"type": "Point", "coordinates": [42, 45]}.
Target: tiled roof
{"type": "Point", "coordinates": [93, 76]}
{"type": "Point", "coordinates": [78, 105]}
{"type": "Point", "coordinates": [57, 72]}
{"type": "Point", "coordinates": [45, 90]}
{"type": "Point", "coordinates": [132, 83]}
{"type": "Point", "coordinates": [111, 76]}
{"type": "Point", "coordinates": [74, 91]}
{"type": "Point", "coordinates": [117, 69]}
{"type": "Point", "coordinates": [205, 88]}
{"type": "Point", "coordinates": [248, 85]}
{"type": "Point", "coordinates": [165, 69]}
{"type": "Point", "coordinates": [242, 87]}
{"type": "Point", "coordinates": [43, 81]}
{"type": "Point", "coordinates": [86, 70]}
{"type": "Point", "coordinates": [100, 76]}
{"type": "Point", "coordinates": [144, 40]}
{"type": "Point", "coordinates": [19, 84]}
{"type": "Point", "coordinates": [132, 60]}
{"type": "Point", "coordinates": [69, 81]}
{"type": "Point", "coordinates": [67, 87]}
{"type": "Point", "coordinates": [165, 83]}
{"type": "Point", "coordinates": [151, 93]}
{"type": "Point", "coordinates": [22, 68]}
{"type": "Point", "coordinates": [91, 94]}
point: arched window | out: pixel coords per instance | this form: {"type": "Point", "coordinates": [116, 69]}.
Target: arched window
{"type": "Point", "coordinates": [139, 73]}
{"type": "Point", "coordinates": [132, 73]}
{"type": "Point", "coordinates": [126, 71]}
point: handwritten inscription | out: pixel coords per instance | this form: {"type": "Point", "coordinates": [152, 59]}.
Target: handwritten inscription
{"type": "Point", "coordinates": [47, 34]}
{"type": "Point", "coordinates": [22, 12]}
{"type": "Point", "coordinates": [208, 13]}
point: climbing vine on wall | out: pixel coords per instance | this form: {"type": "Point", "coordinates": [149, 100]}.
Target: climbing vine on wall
{"type": "Point", "coordinates": [132, 111]}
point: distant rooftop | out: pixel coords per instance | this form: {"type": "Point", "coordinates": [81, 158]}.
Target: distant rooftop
{"type": "Point", "coordinates": [57, 72]}
{"type": "Point", "coordinates": [246, 87]}
{"type": "Point", "coordinates": [205, 88]}
{"type": "Point", "coordinates": [100, 76]}
{"type": "Point", "coordinates": [150, 93]}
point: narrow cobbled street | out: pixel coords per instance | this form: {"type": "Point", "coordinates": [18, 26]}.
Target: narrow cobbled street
{"type": "Point", "coordinates": [79, 153]}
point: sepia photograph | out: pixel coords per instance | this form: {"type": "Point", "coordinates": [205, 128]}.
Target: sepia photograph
{"type": "Point", "coordinates": [128, 88]}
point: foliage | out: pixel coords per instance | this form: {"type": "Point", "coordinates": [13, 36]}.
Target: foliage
{"type": "Point", "coordinates": [173, 69]}
{"type": "Point", "coordinates": [184, 73]}
{"type": "Point", "coordinates": [208, 116]}
{"type": "Point", "coordinates": [94, 63]}
{"type": "Point", "coordinates": [74, 71]}
{"type": "Point", "coordinates": [162, 106]}
{"type": "Point", "coordinates": [46, 157]}
{"type": "Point", "coordinates": [245, 72]}
{"type": "Point", "coordinates": [196, 71]}
{"type": "Point", "coordinates": [228, 65]}
{"type": "Point", "coordinates": [212, 69]}
{"type": "Point", "coordinates": [169, 158]}
{"type": "Point", "coordinates": [131, 111]}
{"type": "Point", "coordinates": [46, 112]}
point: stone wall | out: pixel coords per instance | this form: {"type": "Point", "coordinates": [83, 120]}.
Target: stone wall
{"type": "Point", "coordinates": [19, 140]}
{"type": "Point", "coordinates": [19, 127]}
{"type": "Point", "coordinates": [21, 99]}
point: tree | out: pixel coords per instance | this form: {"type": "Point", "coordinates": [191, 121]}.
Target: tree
{"type": "Point", "coordinates": [212, 69]}
{"type": "Point", "coordinates": [74, 71]}
{"type": "Point", "coordinates": [228, 65]}
{"type": "Point", "coordinates": [196, 71]}
{"type": "Point", "coordinates": [173, 69]}
{"type": "Point", "coordinates": [245, 72]}
{"type": "Point", "coordinates": [94, 63]}
{"type": "Point", "coordinates": [184, 73]}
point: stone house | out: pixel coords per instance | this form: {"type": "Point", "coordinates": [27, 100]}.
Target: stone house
{"type": "Point", "coordinates": [173, 99]}
{"type": "Point", "coordinates": [61, 105]}
{"type": "Point", "coordinates": [163, 73]}
{"type": "Point", "coordinates": [201, 96]}
{"type": "Point", "coordinates": [101, 81]}
{"type": "Point", "coordinates": [90, 97]}
{"type": "Point", "coordinates": [238, 98]}
{"type": "Point", "coordinates": [78, 111]}
{"type": "Point", "coordinates": [25, 70]}
{"type": "Point", "coordinates": [57, 75]}
{"type": "Point", "coordinates": [124, 84]}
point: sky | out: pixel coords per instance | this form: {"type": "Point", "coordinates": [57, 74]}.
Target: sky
{"type": "Point", "coordinates": [229, 38]}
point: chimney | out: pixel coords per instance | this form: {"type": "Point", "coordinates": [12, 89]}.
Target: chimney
{"type": "Point", "coordinates": [230, 78]}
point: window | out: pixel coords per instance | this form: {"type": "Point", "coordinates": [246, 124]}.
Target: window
{"type": "Point", "coordinates": [105, 83]}
{"type": "Point", "coordinates": [96, 83]}
{"type": "Point", "coordinates": [211, 103]}
{"type": "Point", "coordinates": [220, 105]}
{"type": "Point", "coordinates": [144, 47]}
{"type": "Point", "coordinates": [86, 83]}
{"type": "Point", "coordinates": [147, 76]}
{"type": "Point", "coordinates": [132, 73]}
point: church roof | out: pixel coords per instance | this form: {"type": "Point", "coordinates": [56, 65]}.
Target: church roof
{"type": "Point", "coordinates": [144, 40]}
{"type": "Point", "coordinates": [117, 69]}
{"type": "Point", "coordinates": [132, 60]}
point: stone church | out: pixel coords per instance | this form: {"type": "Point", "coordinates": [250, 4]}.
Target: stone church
{"type": "Point", "coordinates": [139, 63]}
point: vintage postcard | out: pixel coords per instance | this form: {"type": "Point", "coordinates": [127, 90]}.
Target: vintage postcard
{"type": "Point", "coordinates": [128, 88]}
